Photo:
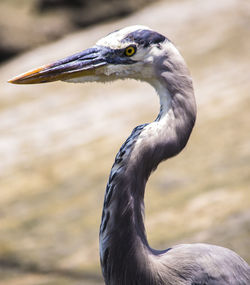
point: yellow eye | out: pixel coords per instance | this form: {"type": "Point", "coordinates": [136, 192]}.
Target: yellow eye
{"type": "Point", "coordinates": [130, 50]}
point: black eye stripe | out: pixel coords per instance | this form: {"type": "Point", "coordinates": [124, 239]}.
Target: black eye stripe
{"type": "Point", "coordinates": [144, 38]}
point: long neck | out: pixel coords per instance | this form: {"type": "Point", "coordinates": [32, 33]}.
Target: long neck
{"type": "Point", "coordinates": [126, 257]}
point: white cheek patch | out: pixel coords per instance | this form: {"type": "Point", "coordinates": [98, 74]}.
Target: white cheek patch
{"type": "Point", "coordinates": [134, 71]}
{"type": "Point", "coordinates": [139, 54]}
{"type": "Point", "coordinates": [114, 69]}
{"type": "Point", "coordinates": [120, 70]}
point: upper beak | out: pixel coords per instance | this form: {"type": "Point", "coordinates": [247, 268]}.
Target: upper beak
{"type": "Point", "coordinates": [85, 63]}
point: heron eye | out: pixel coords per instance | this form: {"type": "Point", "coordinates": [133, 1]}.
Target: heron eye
{"type": "Point", "coordinates": [130, 50]}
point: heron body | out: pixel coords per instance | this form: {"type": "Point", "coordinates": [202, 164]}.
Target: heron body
{"type": "Point", "coordinates": [126, 258]}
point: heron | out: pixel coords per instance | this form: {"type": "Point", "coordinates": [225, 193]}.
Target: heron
{"type": "Point", "coordinates": [141, 53]}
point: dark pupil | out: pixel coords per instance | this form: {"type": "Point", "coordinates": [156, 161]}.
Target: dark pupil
{"type": "Point", "coordinates": [130, 50]}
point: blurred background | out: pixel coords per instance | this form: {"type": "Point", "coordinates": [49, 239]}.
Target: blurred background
{"type": "Point", "coordinates": [58, 141]}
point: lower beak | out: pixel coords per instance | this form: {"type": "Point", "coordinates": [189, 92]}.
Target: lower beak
{"type": "Point", "coordinates": [82, 64]}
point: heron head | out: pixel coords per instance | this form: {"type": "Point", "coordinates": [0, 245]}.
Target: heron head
{"type": "Point", "coordinates": [126, 53]}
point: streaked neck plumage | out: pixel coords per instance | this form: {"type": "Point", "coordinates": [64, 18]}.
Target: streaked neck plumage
{"type": "Point", "coordinates": [126, 257]}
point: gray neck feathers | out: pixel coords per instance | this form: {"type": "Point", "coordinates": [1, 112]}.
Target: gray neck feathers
{"type": "Point", "coordinates": [126, 257]}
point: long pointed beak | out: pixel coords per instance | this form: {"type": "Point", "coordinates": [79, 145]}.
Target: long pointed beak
{"type": "Point", "coordinates": [85, 63]}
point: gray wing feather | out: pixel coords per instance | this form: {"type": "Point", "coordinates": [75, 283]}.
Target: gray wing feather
{"type": "Point", "coordinates": [202, 264]}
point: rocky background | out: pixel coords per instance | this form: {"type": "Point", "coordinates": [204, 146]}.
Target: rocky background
{"type": "Point", "coordinates": [58, 140]}
{"type": "Point", "coordinates": [25, 24]}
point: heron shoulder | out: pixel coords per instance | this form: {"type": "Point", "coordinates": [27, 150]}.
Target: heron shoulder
{"type": "Point", "coordinates": [206, 264]}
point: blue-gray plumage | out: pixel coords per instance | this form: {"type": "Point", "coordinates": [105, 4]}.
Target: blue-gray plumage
{"type": "Point", "coordinates": [126, 257]}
